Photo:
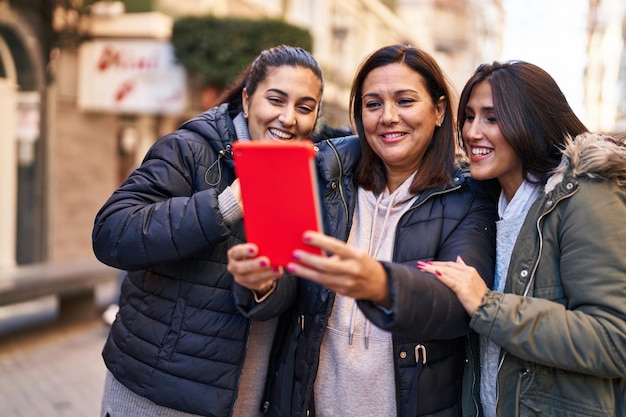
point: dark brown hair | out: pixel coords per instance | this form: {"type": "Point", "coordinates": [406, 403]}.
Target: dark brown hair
{"type": "Point", "coordinates": [257, 71]}
{"type": "Point", "coordinates": [437, 166]}
{"type": "Point", "coordinates": [532, 113]}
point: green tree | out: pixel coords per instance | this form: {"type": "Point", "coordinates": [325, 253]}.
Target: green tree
{"type": "Point", "coordinates": [216, 50]}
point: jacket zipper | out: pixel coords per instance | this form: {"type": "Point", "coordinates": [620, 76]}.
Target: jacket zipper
{"type": "Point", "coordinates": [518, 390]}
{"type": "Point", "coordinates": [538, 225]}
{"type": "Point", "coordinates": [473, 365]}
{"type": "Point", "coordinates": [340, 178]}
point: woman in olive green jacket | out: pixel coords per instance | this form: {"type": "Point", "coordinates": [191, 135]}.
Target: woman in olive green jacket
{"type": "Point", "coordinates": [553, 329]}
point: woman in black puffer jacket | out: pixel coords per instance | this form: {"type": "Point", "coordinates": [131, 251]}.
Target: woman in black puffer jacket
{"type": "Point", "coordinates": [179, 345]}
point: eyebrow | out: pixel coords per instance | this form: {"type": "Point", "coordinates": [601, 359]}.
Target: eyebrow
{"type": "Point", "coordinates": [484, 108]}
{"type": "Point", "coordinates": [395, 93]}
{"type": "Point", "coordinates": [283, 93]}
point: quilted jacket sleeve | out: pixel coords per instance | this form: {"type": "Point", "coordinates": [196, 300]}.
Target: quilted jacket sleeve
{"type": "Point", "coordinates": [281, 299]}
{"type": "Point", "coordinates": [158, 215]}
{"type": "Point", "coordinates": [423, 307]}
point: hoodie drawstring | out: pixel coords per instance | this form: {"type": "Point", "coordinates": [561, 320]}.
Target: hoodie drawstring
{"type": "Point", "coordinates": [373, 253]}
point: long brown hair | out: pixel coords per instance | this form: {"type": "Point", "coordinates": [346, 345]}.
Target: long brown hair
{"type": "Point", "coordinates": [437, 166]}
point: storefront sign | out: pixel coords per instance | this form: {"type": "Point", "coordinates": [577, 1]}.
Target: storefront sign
{"type": "Point", "coordinates": [130, 76]}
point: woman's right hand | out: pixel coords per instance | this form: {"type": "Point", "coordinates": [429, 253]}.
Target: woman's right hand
{"type": "Point", "coordinates": [250, 271]}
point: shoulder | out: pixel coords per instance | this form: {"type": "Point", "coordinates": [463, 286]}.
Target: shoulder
{"type": "Point", "coordinates": [476, 189]}
{"type": "Point", "coordinates": [344, 152]}
{"type": "Point", "coordinates": [596, 195]}
{"type": "Point", "coordinates": [215, 124]}
{"type": "Point", "coordinates": [591, 156]}
{"type": "Point", "coordinates": [466, 195]}
{"type": "Point", "coordinates": [344, 146]}
{"type": "Point", "coordinates": [213, 127]}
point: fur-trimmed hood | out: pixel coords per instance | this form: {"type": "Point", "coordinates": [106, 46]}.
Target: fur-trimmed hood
{"type": "Point", "coordinates": [592, 155]}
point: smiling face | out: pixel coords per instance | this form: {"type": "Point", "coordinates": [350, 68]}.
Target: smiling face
{"type": "Point", "coordinates": [399, 118]}
{"type": "Point", "coordinates": [284, 105]}
{"type": "Point", "coordinates": [490, 154]}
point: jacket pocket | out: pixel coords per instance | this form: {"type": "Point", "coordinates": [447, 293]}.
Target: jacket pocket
{"type": "Point", "coordinates": [548, 391]}
{"type": "Point", "coordinates": [544, 404]}
{"type": "Point", "coordinates": [170, 341]}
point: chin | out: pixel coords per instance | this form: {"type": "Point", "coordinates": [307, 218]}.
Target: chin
{"type": "Point", "coordinates": [480, 174]}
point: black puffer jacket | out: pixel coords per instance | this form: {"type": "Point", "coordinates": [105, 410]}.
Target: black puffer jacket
{"type": "Point", "coordinates": [179, 339]}
{"type": "Point", "coordinates": [428, 323]}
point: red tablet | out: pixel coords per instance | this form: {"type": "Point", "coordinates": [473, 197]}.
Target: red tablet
{"type": "Point", "coordinates": [280, 195]}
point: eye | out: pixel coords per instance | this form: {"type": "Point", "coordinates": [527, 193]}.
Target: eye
{"type": "Point", "coordinates": [275, 100]}
{"type": "Point", "coordinates": [405, 102]}
{"type": "Point", "coordinates": [469, 117]}
{"type": "Point", "coordinates": [372, 105]}
{"type": "Point", "coordinates": [305, 109]}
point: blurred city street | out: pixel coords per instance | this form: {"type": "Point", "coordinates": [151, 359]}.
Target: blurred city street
{"type": "Point", "coordinates": [49, 369]}
{"type": "Point", "coordinates": [86, 88]}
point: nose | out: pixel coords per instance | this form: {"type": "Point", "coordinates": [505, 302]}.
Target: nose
{"type": "Point", "coordinates": [471, 129]}
{"type": "Point", "coordinates": [288, 116]}
{"type": "Point", "coordinates": [390, 114]}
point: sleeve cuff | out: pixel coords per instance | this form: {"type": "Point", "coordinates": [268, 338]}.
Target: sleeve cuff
{"type": "Point", "coordinates": [229, 206]}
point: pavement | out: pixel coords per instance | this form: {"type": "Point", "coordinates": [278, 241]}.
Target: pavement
{"type": "Point", "coordinates": [50, 369]}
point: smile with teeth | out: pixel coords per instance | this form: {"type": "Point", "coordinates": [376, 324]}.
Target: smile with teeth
{"type": "Point", "coordinates": [280, 134]}
{"type": "Point", "coordinates": [481, 151]}
{"type": "Point", "coordinates": [392, 135]}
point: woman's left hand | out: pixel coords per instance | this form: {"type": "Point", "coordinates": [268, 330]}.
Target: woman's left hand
{"type": "Point", "coordinates": [346, 270]}
{"type": "Point", "coordinates": [464, 280]}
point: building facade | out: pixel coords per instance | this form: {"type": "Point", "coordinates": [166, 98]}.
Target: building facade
{"type": "Point", "coordinates": [72, 131]}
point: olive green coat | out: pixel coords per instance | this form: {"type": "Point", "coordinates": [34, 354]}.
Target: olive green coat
{"type": "Point", "coordinates": [561, 321]}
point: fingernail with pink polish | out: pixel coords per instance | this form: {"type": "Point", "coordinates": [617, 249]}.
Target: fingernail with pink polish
{"type": "Point", "coordinates": [263, 264]}
{"type": "Point", "coordinates": [420, 264]}
{"type": "Point", "coordinates": [438, 272]}
{"type": "Point", "coordinates": [291, 269]}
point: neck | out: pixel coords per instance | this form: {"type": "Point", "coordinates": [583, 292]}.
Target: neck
{"type": "Point", "coordinates": [509, 188]}
{"type": "Point", "coordinates": [396, 178]}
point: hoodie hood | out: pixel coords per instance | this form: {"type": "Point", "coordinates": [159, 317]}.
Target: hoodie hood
{"type": "Point", "coordinates": [594, 156]}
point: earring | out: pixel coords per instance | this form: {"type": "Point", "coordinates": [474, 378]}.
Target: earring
{"type": "Point", "coordinates": [245, 114]}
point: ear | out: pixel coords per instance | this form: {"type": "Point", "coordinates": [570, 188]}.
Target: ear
{"type": "Point", "coordinates": [245, 102]}
{"type": "Point", "coordinates": [440, 108]}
